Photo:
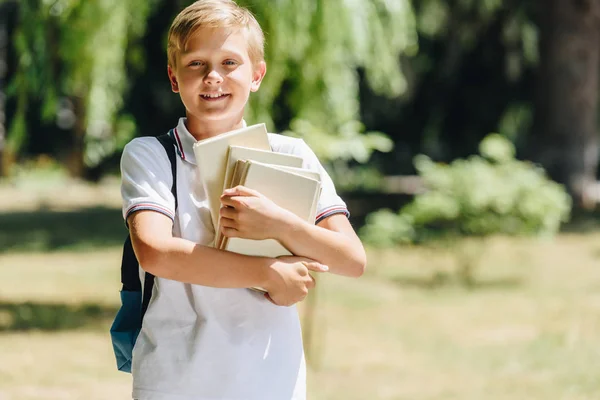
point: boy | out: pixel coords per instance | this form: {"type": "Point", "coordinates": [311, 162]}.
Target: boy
{"type": "Point", "coordinates": [205, 336]}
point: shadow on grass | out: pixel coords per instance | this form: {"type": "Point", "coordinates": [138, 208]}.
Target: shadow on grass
{"type": "Point", "coordinates": [583, 221]}
{"type": "Point", "coordinates": [440, 281]}
{"type": "Point", "coordinates": [45, 230]}
{"type": "Point", "coordinates": [53, 317]}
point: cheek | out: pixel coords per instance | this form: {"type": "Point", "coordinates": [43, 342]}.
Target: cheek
{"type": "Point", "coordinates": [191, 81]}
{"type": "Point", "coordinates": [241, 78]}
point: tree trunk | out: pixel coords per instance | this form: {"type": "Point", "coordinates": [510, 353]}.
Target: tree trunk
{"type": "Point", "coordinates": [564, 139]}
{"type": "Point", "coordinates": [76, 161]}
{"type": "Point", "coordinates": [4, 16]}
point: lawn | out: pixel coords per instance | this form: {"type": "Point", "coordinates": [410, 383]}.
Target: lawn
{"type": "Point", "coordinates": [529, 328]}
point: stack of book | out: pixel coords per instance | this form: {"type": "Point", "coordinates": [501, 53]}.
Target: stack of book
{"type": "Point", "coordinates": [244, 157]}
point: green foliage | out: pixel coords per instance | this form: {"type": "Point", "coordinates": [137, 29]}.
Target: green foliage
{"type": "Point", "coordinates": [466, 20]}
{"type": "Point", "coordinates": [516, 121]}
{"type": "Point", "coordinates": [487, 194]}
{"type": "Point", "coordinates": [385, 228]}
{"type": "Point", "coordinates": [101, 76]}
{"type": "Point", "coordinates": [337, 148]}
{"type": "Point", "coordinates": [349, 142]}
{"type": "Point", "coordinates": [314, 49]}
{"type": "Point", "coordinates": [355, 178]}
{"type": "Point", "coordinates": [34, 73]}
{"type": "Point", "coordinates": [76, 49]}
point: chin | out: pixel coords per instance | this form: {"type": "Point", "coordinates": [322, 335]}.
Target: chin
{"type": "Point", "coordinates": [220, 116]}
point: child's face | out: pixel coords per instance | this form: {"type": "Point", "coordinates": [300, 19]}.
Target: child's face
{"type": "Point", "coordinates": [214, 78]}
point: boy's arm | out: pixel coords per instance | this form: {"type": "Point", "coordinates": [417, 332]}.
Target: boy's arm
{"type": "Point", "coordinates": [332, 242]}
{"type": "Point", "coordinates": [158, 252]}
{"type": "Point", "coordinates": [149, 208]}
{"type": "Point", "coordinates": [163, 255]}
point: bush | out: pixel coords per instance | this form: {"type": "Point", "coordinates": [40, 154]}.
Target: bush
{"type": "Point", "coordinates": [487, 194]}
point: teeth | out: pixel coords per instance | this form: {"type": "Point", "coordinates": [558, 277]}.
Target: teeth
{"type": "Point", "coordinates": [213, 96]}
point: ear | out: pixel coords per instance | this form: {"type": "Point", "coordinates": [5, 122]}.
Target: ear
{"type": "Point", "coordinates": [173, 79]}
{"type": "Point", "coordinates": [257, 76]}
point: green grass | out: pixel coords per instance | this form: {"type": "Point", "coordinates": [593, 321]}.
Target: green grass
{"type": "Point", "coordinates": [530, 328]}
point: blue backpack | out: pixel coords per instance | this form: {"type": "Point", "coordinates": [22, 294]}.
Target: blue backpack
{"type": "Point", "coordinates": [128, 321]}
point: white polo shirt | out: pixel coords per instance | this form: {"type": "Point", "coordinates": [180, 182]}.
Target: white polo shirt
{"type": "Point", "coordinates": [203, 343]}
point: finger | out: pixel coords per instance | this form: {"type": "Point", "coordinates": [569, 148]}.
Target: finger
{"type": "Point", "coordinates": [241, 191]}
{"type": "Point", "coordinates": [315, 266]}
{"type": "Point", "coordinates": [228, 212]}
{"type": "Point", "coordinates": [230, 232]}
{"type": "Point", "coordinates": [235, 202]}
{"type": "Point", "coordinates": [228, 201]}
{"type": "Point", "coordinates": [228, 223]}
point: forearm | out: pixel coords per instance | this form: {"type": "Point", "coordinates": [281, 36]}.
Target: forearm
{"type": "Point", "coordinates": [248, 214]}
{"type": "Point", "coordinates": [342, 251]}
{"type": "Point", "coordinates": [184, 261]}
{"type": "Point", "coordinates": [165, 256]}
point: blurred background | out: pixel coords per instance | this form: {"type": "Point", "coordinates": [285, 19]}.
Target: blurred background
{"type": "Point", "coordinates": [463, 135]}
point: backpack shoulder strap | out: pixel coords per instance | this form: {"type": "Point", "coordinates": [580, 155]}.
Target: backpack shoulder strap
{"type": "Point", "coordinates": [167, 143]}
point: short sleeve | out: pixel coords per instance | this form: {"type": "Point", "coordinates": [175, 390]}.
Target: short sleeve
{"type": "Point", "coordinates": [146, 178]}
{"type": "Point", "coordinates": [329, 202]}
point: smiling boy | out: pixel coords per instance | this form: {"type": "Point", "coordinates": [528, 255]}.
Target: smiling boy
{"type": "Point", "coordinates": [205, 336]}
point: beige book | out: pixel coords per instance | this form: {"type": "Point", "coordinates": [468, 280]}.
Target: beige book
{"type": "Point", "coordinates": [288, 189]}
{"type": "Point", "coordinates": [268, 157]}
{"type": "Point", "coordinates": [211, 158]}
{"type": "Point", "coordinates": [238, 174]}
{"type": "Point", "coordinates": [309, 174]}
{"type": "Point", "coordinates": [237, 153]}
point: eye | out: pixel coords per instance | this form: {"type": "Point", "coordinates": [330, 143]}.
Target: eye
{"type": "Point", "coordinates": [230, 62]}
{"type": "Point", "coordinates": [196, 64]}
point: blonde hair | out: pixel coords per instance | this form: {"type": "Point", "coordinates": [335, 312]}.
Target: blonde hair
{"type": "Point", "coordinates": [214, 14]}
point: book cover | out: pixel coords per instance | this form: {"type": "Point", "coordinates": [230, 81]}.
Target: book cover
{"type": "Point", "coordinates": [240, 153]}
{"type": "Point", "coordinates": [268, 157]}
{"type": "Point", "coordinates": [309, 174]}
{"type": "Point", "coordinates": [288, 189]}
{"type": "Point", "coordinates": [211, 159]}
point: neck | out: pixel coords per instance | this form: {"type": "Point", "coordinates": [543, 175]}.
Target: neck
{"type": "Point", "coordinates": [206, 129]}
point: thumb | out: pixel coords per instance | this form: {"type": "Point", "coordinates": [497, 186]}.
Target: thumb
{"type": "Point", "coordinates": [315, 266]}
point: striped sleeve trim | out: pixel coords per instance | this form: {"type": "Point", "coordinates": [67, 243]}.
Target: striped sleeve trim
{"type": "Point", "coordinates": [151, 207]}
{"type": "Point", "coordinates": [328, 212]}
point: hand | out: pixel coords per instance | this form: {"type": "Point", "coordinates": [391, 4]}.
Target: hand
{"type": "Point", "coordinates": [250, 215]}
{"type": "Point", "coordinates": [290, 280]}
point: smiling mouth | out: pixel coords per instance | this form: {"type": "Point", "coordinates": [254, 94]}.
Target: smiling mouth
{"type": "Point", "coordinates": [214, 97]}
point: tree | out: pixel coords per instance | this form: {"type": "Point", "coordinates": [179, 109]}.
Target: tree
{"type": "Point", "coordinates": [6, 10]}
{"type": "Point", "coordinates": [314, 49]}
{"type": "Point", "coordinates": [471, 76]}
{"type": "Point", "coordinates": [565, 138]}
{"type": "Point", "coordinates": [71, 58]}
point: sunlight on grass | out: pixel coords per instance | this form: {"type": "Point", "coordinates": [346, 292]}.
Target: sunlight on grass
{"type": "Point", "coordinates": [62, 277]}
{"type": "Point", "coordinates": [527, 330]}
{"type": "Point", "coordinates": [67, 366]}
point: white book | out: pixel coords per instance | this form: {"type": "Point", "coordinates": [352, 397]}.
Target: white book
{"type": "Point", "coordinates": [237, 153]}
{"type": "Point", "coordinates": [288, 189]}
{"type": "Point", "coordinates": [265, 156]}
{"type": "Point", "coordinates": [211, 158]}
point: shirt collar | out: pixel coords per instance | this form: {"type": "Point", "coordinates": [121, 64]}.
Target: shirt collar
{"type": "Point", "coordinates": [184, 141]}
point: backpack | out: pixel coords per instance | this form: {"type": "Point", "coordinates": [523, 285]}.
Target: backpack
{"type": "Point", "coordinates": [128, 321]}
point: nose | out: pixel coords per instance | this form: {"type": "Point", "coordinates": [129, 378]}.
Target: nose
{"type": "Point", "coordinates": [213, 77]}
